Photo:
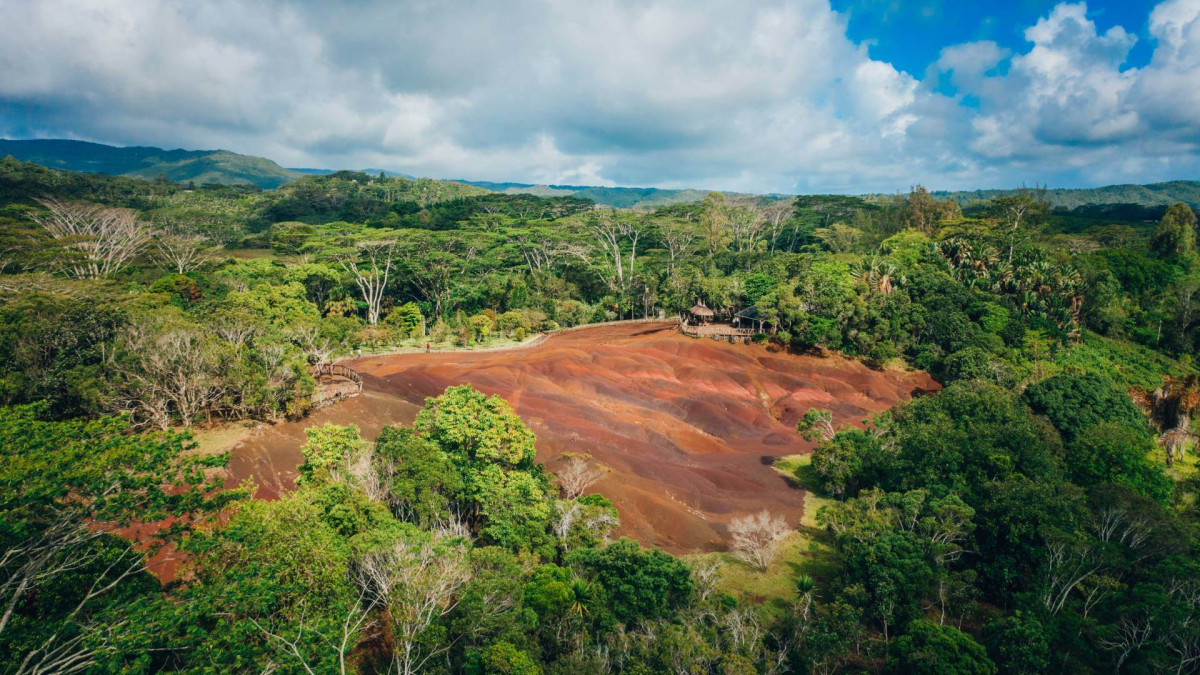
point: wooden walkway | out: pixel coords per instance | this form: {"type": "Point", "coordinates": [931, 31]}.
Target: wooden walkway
{"type": "Point", "coordinates": [719, 331]}
{"type": "Point", "coordinates": [334, 383]}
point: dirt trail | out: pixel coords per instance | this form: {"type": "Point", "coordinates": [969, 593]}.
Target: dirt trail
{"type": "Point", "coordinates": [688, 426]}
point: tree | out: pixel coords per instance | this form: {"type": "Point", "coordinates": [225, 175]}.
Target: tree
{"type": "Point", "coordinates": [927, 647]}
{"type": "Point", "coordinates": [847, 461]}
{"type": "Point", "coordinates": [332, 453]}
{"type": "Point", "coordinates": [416, 478]}
{"type": "Point", "coordinates": [679, 236]}
{"type": "Point", "coordinates": [435, 262]}
{"type": "Point", "coordinates": [967, 438]}
{"type": "Point", "coordinates": [1114, 453]}
{"type": "Point", "coordinates": [276, 582]}
{"type": "Point", "coordinates": [714, 222]}
{"type": "Point", "coordinates": [371, 268]}
{"type": "Point", "coordinates": [170, 374]}
{"type": "Point", "coordinates": [641, 584]}
{"type": "Point", "coordinates": [476, 427]}
{"type": "Point", "coordinates": [777, 214]}
{"type": "Point", "coordinates": [1074, 403]}
{"type": "Point", "coordinates": [418, 581]}
{"type": "Point", "coordinates": [1170, 409]}
{"type": "Point", "coordinates": [816, 425]}
{"type": "Point", "coordinates": [182, 253]}
{"type": "Point", "coordinates": [66, 579]}
{"type": "Point", "coordinates": [577, 473]}
{"type": "Point", "coordinates": [611, 234]}
{"type": "Point", "coordinates": [756, 538]}
{"type": "Point", "coordinates": [107, 239]}
{"type": "Point", "coordinates": [1012, 212]}
{"type": "Point", "coordinates": [1017, 644]}
{"type": "Point", "coordinates": [1175, 234]}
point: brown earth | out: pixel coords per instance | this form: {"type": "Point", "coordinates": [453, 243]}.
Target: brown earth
{"type": "Point", "coordinates": [689, 427]}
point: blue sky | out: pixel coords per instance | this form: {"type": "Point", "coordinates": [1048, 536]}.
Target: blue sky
{"type": "Point", "coordinates": [911, 33]}
{"type": "Point", "coordinates": [792, 96]}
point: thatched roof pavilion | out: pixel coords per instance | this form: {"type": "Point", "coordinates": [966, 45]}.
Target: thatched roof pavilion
{"type": "Point", "coordinates": [700, 314]}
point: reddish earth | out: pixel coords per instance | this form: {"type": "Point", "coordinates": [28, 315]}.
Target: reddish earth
{"type": "Point", "coordinates": [689, 427]}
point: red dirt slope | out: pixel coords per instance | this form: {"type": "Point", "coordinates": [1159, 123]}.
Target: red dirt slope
{"type": "Point", "coordinates": [688, 426]}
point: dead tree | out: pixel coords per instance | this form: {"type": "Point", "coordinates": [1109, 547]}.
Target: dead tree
{"type": "Point", "coordinates": [417, 585]}
{"type": "Point", "coordinates": [105, 238]}
{"type": "Point", "coordinates": [578, 473]}
{"type": "Point", "coordinates": [182, 253]}
{"type": "Point", "coordinates": [755, 539]}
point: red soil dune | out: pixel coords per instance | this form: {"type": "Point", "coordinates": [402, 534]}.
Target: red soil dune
{"type": "Point", "coordinates": [689, 427]}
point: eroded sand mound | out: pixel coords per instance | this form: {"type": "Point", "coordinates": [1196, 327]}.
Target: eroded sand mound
{"type": "Point", "coordinates": [689, 427]}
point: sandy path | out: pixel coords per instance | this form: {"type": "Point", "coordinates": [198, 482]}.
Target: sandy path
{"type": "Point", "coordinates": [688, 426]}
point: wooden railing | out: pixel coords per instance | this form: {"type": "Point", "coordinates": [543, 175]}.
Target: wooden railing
{"type": "Point", "coordinates": [338, 370]}
{"type": "Point", "coordinates": [717, 330]}
{"type": "Point", "coordinates": [322, 396]}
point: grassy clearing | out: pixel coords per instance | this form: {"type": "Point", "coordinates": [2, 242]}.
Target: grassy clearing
{"type": "Point", "coordinates": [221, 438]}
{"type": "Point", "coordinates": [802, 552]}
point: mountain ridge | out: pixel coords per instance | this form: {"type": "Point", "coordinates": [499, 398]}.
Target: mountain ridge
{"type": "Point", "coordinates": [231, 168]}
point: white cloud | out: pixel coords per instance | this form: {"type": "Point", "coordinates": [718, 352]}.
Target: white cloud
{"type": "Point", "coordinates": [755, 96]}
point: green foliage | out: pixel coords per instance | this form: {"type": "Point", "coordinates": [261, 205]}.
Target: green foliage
{"type": "Point", "coordinates": [476, 427]}
{"type": "Point", "coordinates": [847, 462]}
{"type": "Point", "coordinates": [1017, 644]}
{"type": "Point", "coordinates": [420, 479]}
{"type": "Point", "coordinates": [1176, 232]}
{"type": "Point", "coordinates": [969, 437]}
{"type": "Point", "coordinates": [1073, 403]}
{"type": "Point", "coordinates": [329, 452]}
{"type": "Point", "coordinates": [54, 350]}
{"type": "Point", "coordinates": [815, 424]}
{"type": "Point", "coordinates": [640, 584]}
{"type": "Point", "coordinates": [927, 647]}
{"type": "Point", "coordinates": [514, 507]}
{"type": "Point", "coordinates": [1111, 452]}
{"type": "Point", "coordinates": [502, 657]}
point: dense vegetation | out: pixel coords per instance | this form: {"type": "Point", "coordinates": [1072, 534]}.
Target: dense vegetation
{"type": "Point", "coordinates": [1036, 514]}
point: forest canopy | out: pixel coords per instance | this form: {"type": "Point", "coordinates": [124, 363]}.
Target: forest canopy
{"type": "Point", "coordinates": [1037, 513]}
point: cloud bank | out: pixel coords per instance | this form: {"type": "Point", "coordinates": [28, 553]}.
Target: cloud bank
{"type": "Point", "coordinates": [763, 96]}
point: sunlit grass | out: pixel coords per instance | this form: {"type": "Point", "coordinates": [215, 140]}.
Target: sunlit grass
{"type": "Point", "coordinates": [801, 553]}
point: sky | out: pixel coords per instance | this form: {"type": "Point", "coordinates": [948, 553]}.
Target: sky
{"type": "Point", "coordinates": [788, 96]}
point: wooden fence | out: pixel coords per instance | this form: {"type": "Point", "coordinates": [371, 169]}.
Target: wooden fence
{"type": "Point", "coordinates": [324, 395]}
{"type": "Point", "coordinates": [719, 332]}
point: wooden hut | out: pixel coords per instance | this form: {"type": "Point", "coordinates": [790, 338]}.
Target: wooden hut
{"type": "Point", "coordinates": [699, 315]}
{"type": "Point", "coordinates": [751, 318]}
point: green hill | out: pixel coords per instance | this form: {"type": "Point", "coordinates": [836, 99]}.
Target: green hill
{"type": "Point", "coordinates": [618, 197]}
{"type": "Point", "coordinates": [227, 168]}
{"type": "Point", "coordinates": [1155, 194]}
{"type": "Point", "coordinates": [198, 166]}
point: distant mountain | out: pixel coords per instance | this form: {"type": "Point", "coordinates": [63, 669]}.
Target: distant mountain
{"type": "Point", "coordinates": [618, 197]}
{"type": "Point", "coordinates": [373, 172]}
{"type": "Point", "coordinates": [229, 168]}
{"type": "Point", "coordinates": [1155, 194]}
{"type": "Point", "coordinates": [181, 166]}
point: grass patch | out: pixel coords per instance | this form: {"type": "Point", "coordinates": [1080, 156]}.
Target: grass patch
{"type": "Point", "coordinates": [802, 552]}
{"type": "Point", "coordinates": [799, 470]}
{"type": "Point", "coordinates": [221, 438]}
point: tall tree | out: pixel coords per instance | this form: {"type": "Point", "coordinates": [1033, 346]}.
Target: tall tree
{"type": "Point", "coordinates": [1175, 234]}
{"type": "Point", "coordinates": [1023, 209]}
{"type": "Point", "coordinates": [371, 267]}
